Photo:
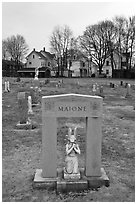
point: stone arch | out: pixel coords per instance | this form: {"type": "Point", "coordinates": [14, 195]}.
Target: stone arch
{"type": "Point", "coordinates": [71, 105]}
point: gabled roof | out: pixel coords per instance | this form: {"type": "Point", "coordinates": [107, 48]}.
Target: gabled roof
{"type": "Point", "coordinates": [42, 54]}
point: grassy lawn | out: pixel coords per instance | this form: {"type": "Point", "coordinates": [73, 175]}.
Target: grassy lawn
{"type": "Point", "coordinates": [21, 149]}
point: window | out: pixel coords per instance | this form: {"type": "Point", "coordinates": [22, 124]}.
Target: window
{"type": "Point", "coordinates": [74, 57]}
{"type": "Point", "coordinates": [48, 63]}
{"type": "Point", "coordinates": [29, 62]}
{"type": "Point", "coordinates": [107, 71]}
{"type": "Point", "coordinates": [43, 64]}
{"type": "Point", "coordinates": [83, 64]}
{"type": "Point", "coordinates": [107, 63]}
{"type": "Point", "coordinates": [33, 56]}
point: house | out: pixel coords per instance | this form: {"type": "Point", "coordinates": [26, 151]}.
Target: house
{"type": "Point", "coordinates": [119, 62]}
{"type": "Point", "coordinates": [80, 66]}
{"type": "Point", "coordinates": [43, 60]}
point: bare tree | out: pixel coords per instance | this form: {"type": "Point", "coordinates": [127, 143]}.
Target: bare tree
{"type": "Point", "coordinates": [126, 37]}
{"type": "Point", "coordinates": [16, 47]}
{"type": "Point", "coordinates": [97, 42]}
{"type": "Point", "coordinates": [4, 50]}
{"type": "Point", "coordinates": [129, 40]}
{"type": "Point", "coordinates": [60, 42]}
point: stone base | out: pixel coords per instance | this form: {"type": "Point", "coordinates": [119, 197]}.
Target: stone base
{"type": "Point", "coordinates": [26, 126]}
{"type": "Point", "coordinates": [64, 185]}
{"type": "Point", "coordinates": [97, 182]}
{"type": "Point", "coordinates": [71, 176]}
{"type": "Point", "coordinates": [74, 186]}
{"type": "Point", "coordinates": [40, 182]}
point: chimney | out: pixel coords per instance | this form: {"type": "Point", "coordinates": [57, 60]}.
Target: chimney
{"type": "Point", "coordinates": [44, 49]}
{"type": "Point", "coordinates": [33, 49]}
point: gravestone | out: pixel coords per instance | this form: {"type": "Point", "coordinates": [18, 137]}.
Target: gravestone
{"type": "Point", "coordinates": [34, 92]}
{"type": "Point", "coordinates": [30, 111]}
{"type": "Point", "coordinates": [7, 86]}
{"type": "Point", "coordinates": [128, 94]}
{"type": "Point", "coordinates": [18, 79]}
{"type": "Point", "coordinates": [24, 121]}
{"type": "Point", "coordinates": [101, 91]}
{"type": "Point", "coordinates": [23, 107]}
{"type": "Point", "coordinates": [71, 105]}
{"type": "Point", "coordinates": [6, 90]}
{"type": "Point", "coordinates": [121, 83]}
{"type": "Point", "coordinates": [94, 88]}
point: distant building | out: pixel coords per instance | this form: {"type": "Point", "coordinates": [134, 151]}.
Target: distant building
{"type": "Point", "coordinates": [119, 64]}
{"type": "Point", "coordinates": [43, 60]}
{"type": "Point", "coordinates": [80, 66]}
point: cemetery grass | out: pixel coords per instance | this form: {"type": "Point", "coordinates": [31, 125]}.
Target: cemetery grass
{"type": "Point", "coordinates": [21, 149]}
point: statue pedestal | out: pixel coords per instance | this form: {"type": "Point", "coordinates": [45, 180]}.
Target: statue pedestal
{"type": "Point", "coordinates": [71, 176]}
{"type": "Point", "coordinates": [60, 184]}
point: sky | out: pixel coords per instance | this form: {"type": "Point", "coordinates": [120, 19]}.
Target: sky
{"type": "Point", "coordinates": [35, 21]}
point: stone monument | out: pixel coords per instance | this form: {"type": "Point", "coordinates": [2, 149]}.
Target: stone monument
{"type": "Point", "coordinates": [69, 106]}
{"type": "Point", "coordinates": [128, 94]}
{"type": "Point", "coordinates": [101, 91]}
{"type": "Point", "coordinates": [71, 170]}
{"type": "Point", "coordinates": [23, 109]}
{"type": "Point", "coordinates": [36, 73]}
{"type": "Point", "coordinates": [94, 88]}
{"type": "Point", "coordinates": [7, 86]}
{"type": "Point", "coordinates": [24, 121]}
{"type": "Point", "coordinates": [30, 111]}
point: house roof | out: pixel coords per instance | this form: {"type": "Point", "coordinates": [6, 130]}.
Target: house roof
{"type": "Point", "coordinates": [42, 54]}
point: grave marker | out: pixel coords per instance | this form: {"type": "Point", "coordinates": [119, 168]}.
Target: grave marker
{"type": "Point", "coordinates": [128, 94]}
{"type": "Point", "coordinates": [7, 86]}
{"type": "Point", "coordinates": [94, 88]}
{"type": "Point", "coordinates": [30, 111]}
{"type": "Point", "coordinates": [101, 91]}
{"type": "Point", "coordinates": [71, 105]}
{"type": "Point", "coordinates": [23, 107]}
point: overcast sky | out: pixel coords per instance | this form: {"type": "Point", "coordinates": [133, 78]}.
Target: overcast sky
{"type": "Point", "coordinates": [36, 21]}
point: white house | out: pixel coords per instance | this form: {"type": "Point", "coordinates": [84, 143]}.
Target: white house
{"type": "Point", "coordinates": [43, 60]}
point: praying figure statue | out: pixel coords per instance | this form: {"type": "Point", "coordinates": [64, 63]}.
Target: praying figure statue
{"type": "Point", "coordinates": [36, 72]}
{"type": "Point", "coordinates": [72, 150]}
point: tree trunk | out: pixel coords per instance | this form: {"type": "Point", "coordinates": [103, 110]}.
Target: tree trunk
{"type": "Point", "coordinates": [100, 69]}
{"type": "Point", "coordinates": [112, 65]}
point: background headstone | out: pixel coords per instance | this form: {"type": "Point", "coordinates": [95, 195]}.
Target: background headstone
{"type": "Point", "coordinates": [128, 90]}
{"type": "Point", "coordinates": [30, 111]}
{"type": "Point", "coordinates": [8, 85]}
{"type": "Point", "coordinates": [101, 91]}
{"type": "Point", "coordinates": [18, 79]}
{"type": "Point", "coordinates": [94, 88]}
{"type": "Point", "coordinates": [6, 90]}
{"type": "Point", "coordinates": [121, 83]}
{"type": "Point", "coordinates": [35, 94]}
{"type": "Point", "coordinates": [23, 107]}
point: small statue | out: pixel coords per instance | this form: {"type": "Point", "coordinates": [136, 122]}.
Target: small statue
{"type": "Point", "coordinates": [36, 72]}
{"type": "Point", "coordinates": [72, 149]}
